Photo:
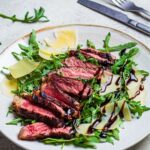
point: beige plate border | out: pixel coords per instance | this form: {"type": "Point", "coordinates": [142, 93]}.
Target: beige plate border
{"type": "Point", "coordinates": [71, 25]}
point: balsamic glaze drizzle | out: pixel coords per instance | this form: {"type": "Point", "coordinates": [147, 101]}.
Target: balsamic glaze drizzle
{"type": "Point", "coordinates": [118, 81]}
{"type": "Point", "coordinates": [111, 119]}
{"type": "Point", "coordinates": [132, 77]}
{"type": "Point", "coordinates": [93, 125]}
{"type": "Point", "coordinates": [104, 86]}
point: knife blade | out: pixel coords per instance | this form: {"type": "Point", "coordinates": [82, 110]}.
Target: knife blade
{"type": "Point", "coordinates": [117, 15]}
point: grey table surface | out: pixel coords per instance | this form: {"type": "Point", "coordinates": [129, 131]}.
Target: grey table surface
{"type": "Point", "coordinates": [62, 12]}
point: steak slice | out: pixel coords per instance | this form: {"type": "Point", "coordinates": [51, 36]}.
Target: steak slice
{"type": "Point", "coordinates": [79, 73]}
{"type": "Point", "coordinates": [103, 57]}
{"type": "Point", "coordinates": [75, 62]}
{"type": "Point", "coordinates": [50, 105]}
{"type": "Point", "coordinates": [71, 86]}
{"type": "Point", "coordinates": [40, 130]}
{"type": "Point", "coordinates": [51, 90]}
{"type": "Point", "coordinates": [28, 110]}
{"type": "Point", "coordinates": [59, 108]}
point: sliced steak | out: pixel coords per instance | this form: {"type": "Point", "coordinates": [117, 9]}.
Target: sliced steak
{"type": "Point", "coordinates": [79, 73]}
{"type": "Point", "coordinates": [50, 105]}
{"type": "Point", "coordinates": [40, 130]}
{"type": "Point", "coordinates": [103, 57]}
{"type": "Point", "coordinates": [28, 110]}
{"type": "Point", "coordinates": [51, 90]}
{"type": "Point", "coordinates": [59, 108]}
{"type": "Point", "coordinates": [71, 86]}
{"type": "Point", "coordinates": [75, 62]}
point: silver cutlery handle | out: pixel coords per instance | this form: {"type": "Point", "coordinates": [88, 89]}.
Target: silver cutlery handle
{"type": "Point", "coordinates": [139, 26]}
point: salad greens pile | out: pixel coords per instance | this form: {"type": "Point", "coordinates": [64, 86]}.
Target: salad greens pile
{"type": "Point", "coordinates": [91, 106]}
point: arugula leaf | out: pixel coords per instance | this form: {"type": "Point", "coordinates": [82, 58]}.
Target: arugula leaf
{"type": "Point", "coordinates": [85, 141]}
{"type": "Point", "coordinates": [58, 59]}
{"type": "Point", "coordinates": [21, 121]}
{"type": "Point", "coordinates": [91, 108]}
{"type": "Point", "coordinates": [90, 44]}
{"type": "Point", "coordinates": [79, 46]}
{"type": "Point", "coordinates": [32, 40]}
{"type": "Point", "coordinates": [127, 69]}
{"type": "Point", "coordinates": [93, 61]}
{"type": "Point", "coordinates": [32, 50]}
{"type": "Point", "coordinates": [115, 134]}
{"type": "Point", "coordinates": [14, 121]}
{"type": "Point", "coordinates": [81, 57]}
{"type": "Point", "coordinates": [38, 17]}
{"type": "Point", "coordinates": [143, 72]}
{"type": "Point", "coordinates": [120, 63]}
{"type": "Point", "coordinates": [7, 75]}
{"type": "Point", "coordinates": [121, 47]}
{"type": "Point", "coordinates": [136, 108]}
{"type": "Point", "coordinates": [107, 40]}
{"type": "Point", "coordinates": [16, 55]}
{"type": "Point", "coordinates": [10, 110]}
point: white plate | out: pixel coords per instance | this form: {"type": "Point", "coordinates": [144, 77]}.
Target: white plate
{"type": "Point", "coordinates": [133, 131]}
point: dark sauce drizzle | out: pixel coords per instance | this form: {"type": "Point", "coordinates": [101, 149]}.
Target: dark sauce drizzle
{"type": "Point", "coordinates": [141, 88]}
{"type": "Point", "coordinates": [121, 110]}
{"type": "Point", "coordinates": [118, 81]}
{"type": "Point", "coordinates": [111, 120]}
{"type": "Point", "coordinates": [93, 125]}
{"type": "Point", "coordinates": [132, 77]}
{"type": "Point", "coordinates": [104, 86]}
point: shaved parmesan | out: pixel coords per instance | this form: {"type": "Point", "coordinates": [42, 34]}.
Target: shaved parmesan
{"type": "Point", "coordinates": [22, 68]}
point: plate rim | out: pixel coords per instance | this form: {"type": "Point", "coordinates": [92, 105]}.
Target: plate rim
{"type": "Point", "coordinates": [71, 25]}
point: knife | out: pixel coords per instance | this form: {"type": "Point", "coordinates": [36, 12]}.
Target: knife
{"type": "Point", "coordinates": [115, 15]}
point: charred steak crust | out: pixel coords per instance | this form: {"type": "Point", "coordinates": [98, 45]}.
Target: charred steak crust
{"type": "Point", "coordinates": [40, 130]}
{"type": "Point", "coordinates": [57, 110]}
{"type": "Point", "coordinates": [26, 109]}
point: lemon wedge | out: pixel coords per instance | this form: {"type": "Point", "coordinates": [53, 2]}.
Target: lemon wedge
{"type": "Point", "coordinates": [64, 40]}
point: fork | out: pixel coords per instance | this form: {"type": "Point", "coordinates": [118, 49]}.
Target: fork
{"type": "Point", "coordinates": [128, 5]}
